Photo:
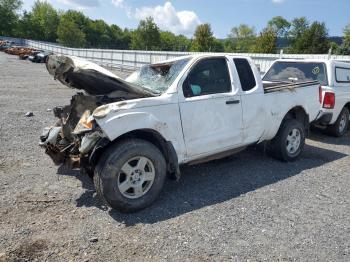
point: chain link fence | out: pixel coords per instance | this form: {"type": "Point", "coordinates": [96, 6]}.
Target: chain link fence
{"type": "Point", "coordinates": [131, 59]}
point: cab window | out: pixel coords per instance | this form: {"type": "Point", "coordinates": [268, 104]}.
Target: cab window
{"type": "Point", "coordinates": [245, 72]}
{"type": "Point", "coordinates": [208, 76]}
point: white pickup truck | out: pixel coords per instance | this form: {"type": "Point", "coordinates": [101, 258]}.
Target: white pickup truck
{"type": "Point", "coordinates": [131, 133]}
{"type": "Point", "coordinates": [333, 75]}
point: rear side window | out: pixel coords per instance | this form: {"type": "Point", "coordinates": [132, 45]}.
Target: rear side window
{"type": "Point", "coordinates": [245, 73]}
{"type": "Point", "coordinates": [209, 76]}
{"type": "Point", "coordinates": [297, 72]}
{"type": "Point", "coordinates": [342, 75]}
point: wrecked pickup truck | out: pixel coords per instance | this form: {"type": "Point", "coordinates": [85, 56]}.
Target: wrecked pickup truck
{"type": "Point", "coordinates": [129, 134]}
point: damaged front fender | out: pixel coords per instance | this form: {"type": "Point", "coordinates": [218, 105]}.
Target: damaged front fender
{"type": "Point", "coordinates": [118, 123]}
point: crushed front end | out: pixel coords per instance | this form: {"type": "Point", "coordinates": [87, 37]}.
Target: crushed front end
{"type": "Point", "coordinates": [75, 134]}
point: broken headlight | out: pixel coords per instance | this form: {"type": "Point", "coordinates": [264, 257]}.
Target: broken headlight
{"type": "Point", "coordinates": [85, 123]}
{"type": "Point", "coordinates": [101, 111]}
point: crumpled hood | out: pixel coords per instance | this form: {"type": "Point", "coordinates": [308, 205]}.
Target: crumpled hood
{"type": "Point", "coordinates": [81, 74]}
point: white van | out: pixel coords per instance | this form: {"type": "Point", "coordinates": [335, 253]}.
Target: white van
{"type": "Point", "coordinates": [334, 78]}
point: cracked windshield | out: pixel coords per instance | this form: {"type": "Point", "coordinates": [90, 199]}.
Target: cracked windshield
{"type": "Point", "coordinates": [159, 77]}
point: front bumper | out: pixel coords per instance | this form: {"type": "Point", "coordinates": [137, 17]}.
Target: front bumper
{"type": "Point", "coordinates": [73, 154]}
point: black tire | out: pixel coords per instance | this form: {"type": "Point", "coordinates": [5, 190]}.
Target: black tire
{"type": "Point", "coordinates": [278, 146]}
{"type": "Point", "coordinates": [336, 129]}
{"type": "Point", "coordinates": [108, 170]}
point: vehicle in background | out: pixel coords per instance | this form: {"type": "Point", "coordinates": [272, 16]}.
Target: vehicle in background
{"type": "Point", "coordinates": [334, 79]}
{"type": "Point", "coordinates": [27, 55]}
{"type": "Point", "coordinates": [31, 56]}
{"type": "Point", "coordinates": [5, 45]}
{"type": "Point", "coordinates": [39, 56]}
{"type": "Point", "coordinates": [129, 134]}
{"type": "Point", "coordinates": [21, 51]}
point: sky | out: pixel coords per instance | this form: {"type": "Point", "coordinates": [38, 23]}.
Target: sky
{"type": "Point", "coordinates": [182, 16]}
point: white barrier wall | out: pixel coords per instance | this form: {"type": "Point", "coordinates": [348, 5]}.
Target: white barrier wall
{"type": "Point", "coordinates": [131, 60]}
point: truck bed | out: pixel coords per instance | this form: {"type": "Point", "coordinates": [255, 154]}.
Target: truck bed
{"type": "Point", "coordinates": [279, 86]}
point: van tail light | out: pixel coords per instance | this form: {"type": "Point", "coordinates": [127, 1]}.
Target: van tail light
{"type": "Point", "coordinates": [329, 100]}
{"type": "Point", "coordinates": [320, 94]}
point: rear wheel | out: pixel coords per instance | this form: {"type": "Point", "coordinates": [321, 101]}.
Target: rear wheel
{"type": "Point", "coordinates": [289, 141]}
{"type": "Point", "coordinates": [130, 175]}
{"type": "Point", "coordinates": [341, 125]}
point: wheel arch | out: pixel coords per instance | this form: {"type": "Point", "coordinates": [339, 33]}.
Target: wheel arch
{"type": "Point", "coordinates": [150, 135]}
{"type": "Point", "coordinates": [299, 113]}
{"type": "Point", "coordinates": [347, 105]}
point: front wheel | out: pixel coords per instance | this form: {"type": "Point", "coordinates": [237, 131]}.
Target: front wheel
{"type": "Point", "coordinates": [341, 125]}
{"type": "Point", "coordinates": [289, 141]}
{"type": "Point", "coordinates": [130, 175]}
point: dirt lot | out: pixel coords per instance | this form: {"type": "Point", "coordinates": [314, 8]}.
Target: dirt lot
{"type": "Point", "coordinates": [245, 207]}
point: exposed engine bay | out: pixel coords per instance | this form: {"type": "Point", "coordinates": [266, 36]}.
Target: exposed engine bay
{"type": "Point", "coordinates": [64, 140]}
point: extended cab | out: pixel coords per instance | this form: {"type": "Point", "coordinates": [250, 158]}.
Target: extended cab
{"type": "Point", "coordinates": [130, 134]}
{"type": "Point", "coordinates": [334, 78]}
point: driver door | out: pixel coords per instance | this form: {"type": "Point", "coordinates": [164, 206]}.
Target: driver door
{"type": "Point", "coordinates": [210, 109]}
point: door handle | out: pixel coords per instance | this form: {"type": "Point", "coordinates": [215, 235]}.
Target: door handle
{"type": "Point", "coordinates": [233, 101]}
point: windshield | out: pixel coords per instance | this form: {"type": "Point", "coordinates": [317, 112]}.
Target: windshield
{"type": "Point", "coordinates": [297, 72]}
{"type": "Point", "coordinates": [158, 77]}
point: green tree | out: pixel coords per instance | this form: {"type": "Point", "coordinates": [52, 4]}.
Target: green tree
{"type": "Point", "coordinates": [333, 46]}
{"type": "Point", "coordinates": [298, 27]}
{"type": "Point", "coordinates": [23, 26]}
{"type": "Point", "coordinates": [71, 29]}
{"type": "Point", "coordinates": [241, 39]}
{"type": "Point", "coordinates": [98, 34]}
{"type": "Point", "coordinates": [217, 46]}
{"type": "Point", "coordinates": [168, 41]}
{"type": "Point", "coordinates": [203, 40]}
{"type": "Point", "coordinates": [280, 25]}
{"type": "Point", "coordinates": [78, 18]}
{"type": "Point", "coordinates": [266, 42]}
{"type": "Point", "coordinates": [9, 16]}
{"type": "Point", "coordinates": [182, 43]}
{"type": "Point", "coordinates": [344, 48]}
{"type": "Point", "coordinates": [43, 22]}
{"type": "Point", "coordinates": [146, 36]}
{"type": "Point", "coordinates": [172, 42]}
{"type": "Point", "coordinates": [347, 33]}
{"type": "Point", "coordinates": [314, 40]}
{"type": "Point", "coordinates": [127, 36]}
{"type": "Point", "coordinates": [119, 39]}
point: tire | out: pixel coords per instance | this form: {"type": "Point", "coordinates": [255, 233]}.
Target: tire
{"type": "Point", "coordinates": [130, 175]}
{"type": "Point", "coordinates": [340, 127]}
{"type": "Point", "coordinates": [289, 142]}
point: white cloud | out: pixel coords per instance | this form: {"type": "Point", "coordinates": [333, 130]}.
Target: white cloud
{"type": "Point", "coordinates": [123, 5]}
{"type": "Point", "coordinates": [81, 4]}
{"type": "Point", "coordinates": [168, 18]}
{"type": "Point", "coordinates": [278, 1]}
{"type": "Point", "coordinates": [118, 3]}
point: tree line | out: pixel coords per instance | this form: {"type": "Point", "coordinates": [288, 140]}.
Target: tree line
{"type": "Point", "coordinates": [73, 29]}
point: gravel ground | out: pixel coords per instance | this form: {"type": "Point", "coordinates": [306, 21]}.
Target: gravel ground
{"type": "Point", "coordinates": [245, 207]}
